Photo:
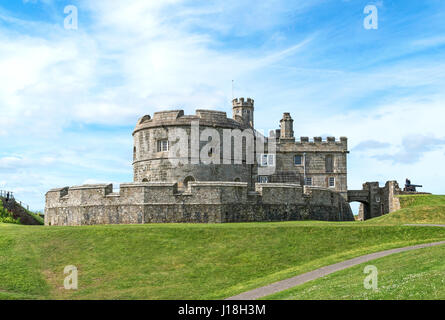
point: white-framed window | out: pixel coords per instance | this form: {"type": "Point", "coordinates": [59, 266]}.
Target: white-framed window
{"type": "Point", "coordinates": [267, 160]}
{"type": "Point", "coordinates": [298, 160]}
{"type": "Point", "coordinates": [331, 182]}
{"type": "Point", "coordinates": [263, 179]}
{"type": "Point", "coordinates": [162, 145]}
{"type": "Point", "coordinates": [308, 181]}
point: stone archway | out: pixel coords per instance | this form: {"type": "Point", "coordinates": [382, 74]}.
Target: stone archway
{"type": "Point", "coordinates": [363, 211]}
{"type": "Point", "coordinates": [373, 199]}
{"type": "Point", "coordinates": [361, 196]}
{"type": "Point", "coordinates": [187, 180]}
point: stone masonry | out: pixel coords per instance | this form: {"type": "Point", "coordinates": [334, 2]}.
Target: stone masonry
{"type": "Point", "coordinates": [375, 200]}
{"type": "Point", "coordinates": [205, 202]}
{"type": "Point", "coordinates": [309, 180]}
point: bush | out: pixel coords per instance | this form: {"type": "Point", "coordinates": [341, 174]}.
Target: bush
{"type": "Point", "coordinates": [6, 216]}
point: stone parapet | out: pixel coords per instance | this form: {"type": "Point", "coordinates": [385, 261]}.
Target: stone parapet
{"type": "Point", "coordinates": [205, 202]}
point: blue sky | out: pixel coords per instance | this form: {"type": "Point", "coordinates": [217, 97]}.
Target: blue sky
{"type": "Point", "coordinates": [69, 99]}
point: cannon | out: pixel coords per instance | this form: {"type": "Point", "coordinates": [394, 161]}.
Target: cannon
{"type": "Point", "coordinates": [411, 187]}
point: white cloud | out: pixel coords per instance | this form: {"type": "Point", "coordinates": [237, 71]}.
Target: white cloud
{"type": "Point", "coordinates": [137, 57]}
{"type": "Point", "coordinates": [408, 132]}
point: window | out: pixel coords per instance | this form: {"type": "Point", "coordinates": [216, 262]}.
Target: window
{"type": "Point", "coordinates": [162, 145]}
{"type": "Point", "coordinates": [329, 163]}
{"type": "Point", "coordinates": [298, 160]}
{"type": "Point", "coordinates": [188, 180]}
{"type": "Point", "coordinates": [308, 181]}
{"type": "Point", "coordinates": [271, 160]}
{"type": "Point", "coordinates": [267, 160]}
{"type": "Point", "coordinates": [263, 179]}
{"type": "Point", "coordinates": [331, 182]}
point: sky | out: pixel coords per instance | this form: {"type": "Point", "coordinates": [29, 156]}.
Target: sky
{"type": "Point", "coordinates": [70, 97]}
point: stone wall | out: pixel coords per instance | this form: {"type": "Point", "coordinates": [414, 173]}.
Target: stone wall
{"type": "Point", "coordinates": [376, 200]}
{"type": "Point", "coordinates": [316, 152]}
{"type": "Point", "coordinates": [201, 202]}
{"type": "Point", "coordinates": [150, 164]}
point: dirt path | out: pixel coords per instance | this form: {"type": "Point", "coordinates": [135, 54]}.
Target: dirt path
{"type": "Point", "coordinates": [321, 272]}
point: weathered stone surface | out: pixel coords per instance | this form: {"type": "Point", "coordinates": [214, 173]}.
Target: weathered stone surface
{"type": "Point", "coordinates": [376, 201]}
{"type": "Point", "coordinates": [203, 202]}
{"type": "Point", "coordinates": [190, 191]}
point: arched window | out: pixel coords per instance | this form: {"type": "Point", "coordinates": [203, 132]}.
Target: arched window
{"type": "Point", "coordinates": [187, 180]}
{"type": "Point", "coordinates": [145, 180]}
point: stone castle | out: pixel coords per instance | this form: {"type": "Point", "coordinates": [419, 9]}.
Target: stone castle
{"type": "Point", "coordinates": [272, 178]}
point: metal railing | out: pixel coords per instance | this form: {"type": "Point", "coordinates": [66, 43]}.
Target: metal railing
{"type": "Point", "coordinates": [4, 194]}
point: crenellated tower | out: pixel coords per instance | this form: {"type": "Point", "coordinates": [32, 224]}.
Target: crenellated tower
{"type": "Point", "coordinates": [243, 111]}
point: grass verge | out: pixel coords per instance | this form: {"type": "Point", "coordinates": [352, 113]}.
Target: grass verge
{"type": "Point", "coordinates": [182, 261]}
{"type": "Point", "coordinates": [412, 275]}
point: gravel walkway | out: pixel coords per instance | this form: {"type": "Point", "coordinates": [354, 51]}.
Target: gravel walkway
{"type": "Point", "coordinates": [426, 225]}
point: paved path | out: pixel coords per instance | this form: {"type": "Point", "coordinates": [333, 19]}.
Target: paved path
{"type": "Point", "coordinates": [321, 272]}
{"type": "Point", "coordinates": [426, 225]}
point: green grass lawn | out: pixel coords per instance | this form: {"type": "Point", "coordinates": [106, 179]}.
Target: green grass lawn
{"type": "Point", "coordinates": [418, 274]}
{"type": "Point", "coordinates": [412, 275]}
{"type": "Point", "coordinates": [189, 261]}
{"type": "Point", "coordinates": [181, 261]}
{"type": "Point", "coordinates": [423, 209]}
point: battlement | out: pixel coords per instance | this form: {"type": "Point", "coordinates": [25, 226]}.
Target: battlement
{"type": "Point", "coordinates": [168, 115]}
{"type": "Point", "coordinates": [317, 144]}
{"type": "Point", "coordinates": [171, 118]}
{"type": "Point", "coordinates": [187, 195]}
{"type": "Point", "coordinates": [341, 144]}
{"type": "Point", "coordinates": [144, 119]}
{"type": "Point", "coordinates": [329, 140]}
{"type": "Point", "coordinates": [139, 202]}
{"type": "Point", "coordinates": [211, 115]}
{"type": "Point", "coordinates": [241, 102]}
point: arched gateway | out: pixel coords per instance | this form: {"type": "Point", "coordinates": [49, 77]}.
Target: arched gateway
{"type": "Point", "coordinates": [376, 201]}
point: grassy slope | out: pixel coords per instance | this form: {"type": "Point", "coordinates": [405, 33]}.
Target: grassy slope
{"type": "Point", "coordinates": [36, 217]}
{"type": "Point", "coordinates": [416, 209]}
{"type": "Point", "coordinates": [418, 274]}
{"type": "Point", "coordinates": [401, 275]}
{"type": "Point", "coordinates": [182, 261]}
{"type": "Point", "coordinates": [6, 217]}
